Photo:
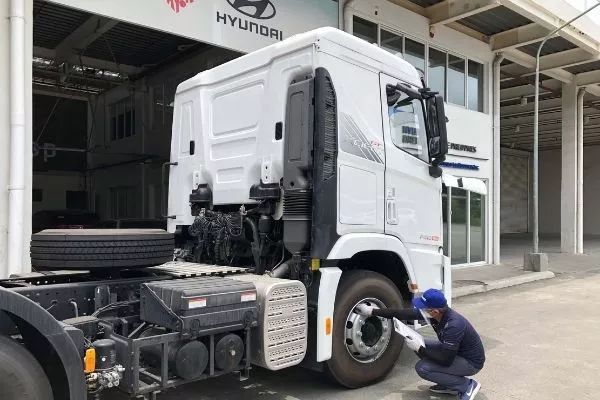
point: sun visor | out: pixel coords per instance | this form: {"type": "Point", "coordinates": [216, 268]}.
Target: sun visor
{"type": "Point", "coordinates": [470, 184]}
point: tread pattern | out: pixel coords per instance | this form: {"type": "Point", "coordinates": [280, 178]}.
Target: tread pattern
{"type": "Point", "coordinates": [84, 250]}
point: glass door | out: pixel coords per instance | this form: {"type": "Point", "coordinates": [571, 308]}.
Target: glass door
{"type": "Point", "coordinates": [459, 232]}
{"type": "Point", "coordinates": [476, 227]}
{"type": "Point", "coordinates": [463, 213]}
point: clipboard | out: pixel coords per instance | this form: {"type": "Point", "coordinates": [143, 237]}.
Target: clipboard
{"type": "Point", "coordinates": [405, 331]}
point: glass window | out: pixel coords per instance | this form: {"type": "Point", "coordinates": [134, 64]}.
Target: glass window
{"type": "Point", "coordinates": [365, 30]}
{"type": "Point", "coordinates": [475, 86]}
{"type": "Point", "coordinates": [407, 125]}
{"type": "Point", "coordinates": [458, 228]}
{"type": "Point", "coordinates": [456, 80]}
{"type": "Point", "coordinates": [477, 215]}
{"type": "Point", "coordinates": [414, 53]}
{"type": "Point", "coordinates": [113, 128]}
{"type": "Point", "coordinates": [391, 42]}
{"type": "Point", "coordinates": [128, 123]}
{"type": "Point", "coordinates": [120, 126]}
{"type": "Point", "coordinates": [437, 71]}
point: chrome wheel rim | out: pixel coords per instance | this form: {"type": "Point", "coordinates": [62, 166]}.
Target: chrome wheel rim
{"type": "Point", "coordinates": [366, 338]}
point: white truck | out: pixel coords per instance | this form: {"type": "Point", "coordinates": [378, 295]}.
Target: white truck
{"type": "Point", "coordinates": [304, 180]}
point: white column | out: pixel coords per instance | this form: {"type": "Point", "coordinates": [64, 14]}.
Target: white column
{"type": "Point", "coordinates": [568, 189]}
{"type": "Point", "coordinates": [27, 200]}
{"type": "Point", "coordinates": [496, 161]}
{"type": "Point", "coordinates": [17, 159]}
{"type": "Point", "coordinates": [4, 133]}
{"type": "Point", "coordinates": [580, 121]}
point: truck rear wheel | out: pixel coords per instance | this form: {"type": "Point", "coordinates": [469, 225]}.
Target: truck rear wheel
{"type": "Point", "coordinates": [365, 350]}
{"type": "Point", "coordinates": [21, 376]}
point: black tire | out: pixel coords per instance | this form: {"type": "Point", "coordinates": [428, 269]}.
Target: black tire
{"type": "Point", "coordinates": [21, 376]}
{"type": "Point", "coordinates": [86, 249]}
{"type": "Point", "coordinates": [353, 287]}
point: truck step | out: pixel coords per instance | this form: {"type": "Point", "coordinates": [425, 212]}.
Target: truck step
{"type": "Point", "coordinates": [182, 269]}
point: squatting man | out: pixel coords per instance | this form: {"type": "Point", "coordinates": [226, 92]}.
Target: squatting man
{"type": "Point", "coordinates": [449, 361]}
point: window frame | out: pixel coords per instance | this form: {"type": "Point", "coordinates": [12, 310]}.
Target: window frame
{"type": "Point", "coordinates": [480, 95]}
{"type": "Point", "coordinates": [445, 69]}
{"type": "Point", "coordinates": [485, 107]}
{"type": "Point", "coordinates": [465, 80]}
{"type": "Point", "coordinates": [117, 116]}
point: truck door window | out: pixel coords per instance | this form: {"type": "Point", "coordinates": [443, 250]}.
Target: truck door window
{"type": "Point", "coordinates": [407, 126]}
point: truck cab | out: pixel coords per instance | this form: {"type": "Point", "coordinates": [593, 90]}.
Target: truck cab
{"type": "Point", "coordinates": [316, 159]}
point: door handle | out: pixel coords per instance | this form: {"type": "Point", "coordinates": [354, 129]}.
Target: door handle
{"type": "Point", "coordinates": [391, 212]}
{"type": "Point", "coordinates": [164, 199]}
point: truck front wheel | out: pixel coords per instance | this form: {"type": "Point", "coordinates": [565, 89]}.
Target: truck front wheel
{"type": "Point", "coordinates": [364, 350]}
{"type": "Point", "coordinates": [21, 376]}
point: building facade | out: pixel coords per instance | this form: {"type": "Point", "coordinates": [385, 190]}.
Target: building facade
{"type": "Point", "coordinates": [94, 100]}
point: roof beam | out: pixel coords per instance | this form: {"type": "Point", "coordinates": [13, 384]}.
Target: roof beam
{"type": "Point", "coordinates": [88, 61]}
{"type": "Point", "coordinates": [452, 10]}
{"type": "Point", "coordinates": [83, 36]}
{"type": "Point", "coordinates": [518, 37]}
{"type": "Point", "coordinates": [562, 59]}
{"type": "Point", "coordinates": [527, 109]}
{"type": "Point", "coordinates": [588, 78]}
{"type": "Point", "coordinates": [527, 90]}
{"type": "Point", "coordinates": [524, 59]}
{"type": "Point", "coordinates": [543, 17]}
{"type": "Point", "coordinates": [59, 92]}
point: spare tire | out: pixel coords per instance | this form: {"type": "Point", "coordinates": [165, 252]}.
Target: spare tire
{"type": "Point", "coordinates": [85, 249]}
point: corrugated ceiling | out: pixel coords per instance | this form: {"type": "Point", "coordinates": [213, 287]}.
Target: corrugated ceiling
{"type": "Point", "coordinates": [53, 23]}
{"type": "Point", "coordinates": [425, 3]}
{"type": "Point", "coordinates": [125, 43]}
{"type": "Point", "coordinates": [495, 20]}
{"type": "Point", "coordinates": [552, 46]}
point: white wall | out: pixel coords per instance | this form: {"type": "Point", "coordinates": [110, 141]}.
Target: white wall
{"type": "Point", "coordinates": [216, 21]}
{"type": "Point", "coordinates": [55, 186]}
{"type": "Point", "coordinates": [4, 130]}
{"type": "Point", "coordinates": [549, 203]}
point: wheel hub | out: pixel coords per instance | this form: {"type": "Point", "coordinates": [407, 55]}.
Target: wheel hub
{"type": "Point", "coordinates": [367, 337]}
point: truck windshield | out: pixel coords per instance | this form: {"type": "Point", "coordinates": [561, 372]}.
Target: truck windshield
{"type": "Point", "coordinates": [407, 126]}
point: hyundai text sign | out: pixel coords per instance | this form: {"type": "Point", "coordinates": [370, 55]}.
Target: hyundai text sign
{"type": "Point", "coordinates": [241, 25]}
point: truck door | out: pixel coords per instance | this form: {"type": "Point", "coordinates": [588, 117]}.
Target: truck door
{"type": "Point", "coordinates": [412, 196]}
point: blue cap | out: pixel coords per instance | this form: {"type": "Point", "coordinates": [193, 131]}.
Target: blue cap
{"type": "Point", "coordinates": [432, 298]}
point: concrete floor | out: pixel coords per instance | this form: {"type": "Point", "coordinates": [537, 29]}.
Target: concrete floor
{"type": "Point", "coordinates": [514, 247]}
{"type": "Point", "coordinates": [540, 338]}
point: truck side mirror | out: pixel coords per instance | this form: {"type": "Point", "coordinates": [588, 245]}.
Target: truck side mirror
{"type": "Point", "coordinates": [438, 135]}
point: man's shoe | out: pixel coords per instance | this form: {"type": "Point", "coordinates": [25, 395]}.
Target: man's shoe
{"type": "Point", "coordinates": [471, 392]}
{"type": "Point", "coordinates": [439, 389]}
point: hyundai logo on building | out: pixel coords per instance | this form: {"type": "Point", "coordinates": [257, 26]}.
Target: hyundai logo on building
{"type": "Point", "coordinates": [259, 9]}
{"type": "Point", "coordinates": [255, 9]}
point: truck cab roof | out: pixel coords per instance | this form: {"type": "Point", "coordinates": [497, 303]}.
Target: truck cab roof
{"type": "Point", "coordinates": [356, 50]}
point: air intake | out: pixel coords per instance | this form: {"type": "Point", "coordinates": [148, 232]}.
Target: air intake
{"type": "Point", "coordinates": [280, 340]}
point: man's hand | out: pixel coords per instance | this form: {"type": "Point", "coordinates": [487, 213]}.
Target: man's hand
{"type": "Point", "coordinates": [363, 309]}
{"type": "Point", "coordinates": [412, 344]}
